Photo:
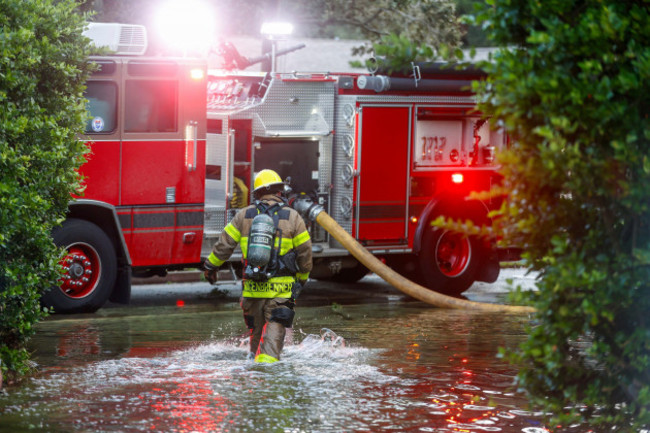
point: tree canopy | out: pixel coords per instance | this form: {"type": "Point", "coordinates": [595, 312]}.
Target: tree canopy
{"type": "Point", "coordinates": [43, 68]}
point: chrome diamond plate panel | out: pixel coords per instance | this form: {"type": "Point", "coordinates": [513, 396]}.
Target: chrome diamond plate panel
{"type": "Point", "coordinates": [344, 151]}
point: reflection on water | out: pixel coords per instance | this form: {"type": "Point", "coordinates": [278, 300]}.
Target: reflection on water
{"type": "Point", "coordinates": [406, 368]}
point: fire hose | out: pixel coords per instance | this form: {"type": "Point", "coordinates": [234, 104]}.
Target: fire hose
{"type": "Point", "coordinates": [317, 214]}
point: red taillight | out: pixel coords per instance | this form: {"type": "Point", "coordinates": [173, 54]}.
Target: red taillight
{"type": "Point", "coordinates": [457, 178]}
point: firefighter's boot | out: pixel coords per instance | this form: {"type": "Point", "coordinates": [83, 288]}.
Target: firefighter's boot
{"type": "Point", "coordinates": [266, 359]}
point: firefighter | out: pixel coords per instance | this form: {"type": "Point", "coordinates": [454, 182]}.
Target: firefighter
{"type": "Point", "coordinates": [270, 291]}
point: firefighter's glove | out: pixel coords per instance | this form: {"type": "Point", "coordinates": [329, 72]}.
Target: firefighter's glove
{"type": "Point", "coordinates": [298, 285]}
{"type": "Point", "coordinates": [210, 272]}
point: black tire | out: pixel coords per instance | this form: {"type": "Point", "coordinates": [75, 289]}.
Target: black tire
{"type": "Point", "coordinates": [90, 268]}
{"type": "Point", "coordinates": [449, 261]}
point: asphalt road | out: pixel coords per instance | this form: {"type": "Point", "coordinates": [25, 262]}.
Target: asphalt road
{"type": "Point", "coordinates": [183, 289]}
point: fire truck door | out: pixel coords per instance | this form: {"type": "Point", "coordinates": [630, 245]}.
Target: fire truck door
{"type": "Point", "coordinates": [162, 164]}
{"type": "Point", "coordinates": [101, 171]}
{"type": "Point", "coordinates": [382, 188]}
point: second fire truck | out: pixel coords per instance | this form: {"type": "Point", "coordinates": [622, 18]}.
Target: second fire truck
{"type": "Point", "coordinates": [175, 148]}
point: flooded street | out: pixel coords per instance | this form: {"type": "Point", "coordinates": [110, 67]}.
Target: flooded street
{"type": "Point", "coordinates": [357, 363]}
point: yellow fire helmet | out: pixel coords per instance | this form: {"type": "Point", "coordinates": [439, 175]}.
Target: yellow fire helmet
{"type": "Point", "coordinates": [265, 179]}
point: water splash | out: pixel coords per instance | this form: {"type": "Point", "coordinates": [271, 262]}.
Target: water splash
{"type": "Point", "coordinates": [327, 344]}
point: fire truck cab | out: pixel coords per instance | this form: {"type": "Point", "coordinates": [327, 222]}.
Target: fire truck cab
{"type": "Point", "coordinates": [174, 149]}
{"type": "Point", "coordinates": [141, 211]}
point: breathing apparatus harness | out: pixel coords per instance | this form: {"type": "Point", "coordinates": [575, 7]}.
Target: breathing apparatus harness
{"type": "Point", "coordinates": [263, 260]}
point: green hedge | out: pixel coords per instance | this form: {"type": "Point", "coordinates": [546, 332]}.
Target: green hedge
{"type": "Point", "coordinates": [572, 90]}
{"type": "Point", "coordinates": [43, 67]}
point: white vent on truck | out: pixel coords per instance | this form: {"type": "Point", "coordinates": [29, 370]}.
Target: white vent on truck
{"type": "Point", "coordinates": [122, 39]}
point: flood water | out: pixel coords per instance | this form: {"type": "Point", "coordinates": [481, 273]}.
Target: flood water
{"type": "Point", "coordinates": [396, 367]}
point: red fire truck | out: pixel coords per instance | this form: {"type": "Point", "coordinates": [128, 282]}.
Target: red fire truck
{"type": "Point", "coordinates": [175, 148]}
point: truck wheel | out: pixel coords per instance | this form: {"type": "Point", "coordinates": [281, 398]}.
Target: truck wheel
{"type": "Point", "coordinates": [449, 260]}
{"type": "Point", "coordinates": [89, 268]}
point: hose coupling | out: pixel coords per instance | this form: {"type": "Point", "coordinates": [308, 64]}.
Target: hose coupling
{"type": "Point", "coordinates": [306, 207]}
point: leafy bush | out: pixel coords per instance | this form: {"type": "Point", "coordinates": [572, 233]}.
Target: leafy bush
{"type": "Point", "coordinates": [43, 67]}
{"type": "Point", "coordinates": [572, 90]}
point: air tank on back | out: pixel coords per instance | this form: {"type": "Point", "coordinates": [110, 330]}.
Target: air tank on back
{"type": "Point", "coordinates": [260, 246]}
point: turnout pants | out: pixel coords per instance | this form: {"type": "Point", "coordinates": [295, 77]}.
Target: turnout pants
{"type": "Point", "coordinates": [267, 320]}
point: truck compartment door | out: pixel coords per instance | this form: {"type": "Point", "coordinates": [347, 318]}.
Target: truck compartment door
{"type": "Point", "coordinates": [383, 166]}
